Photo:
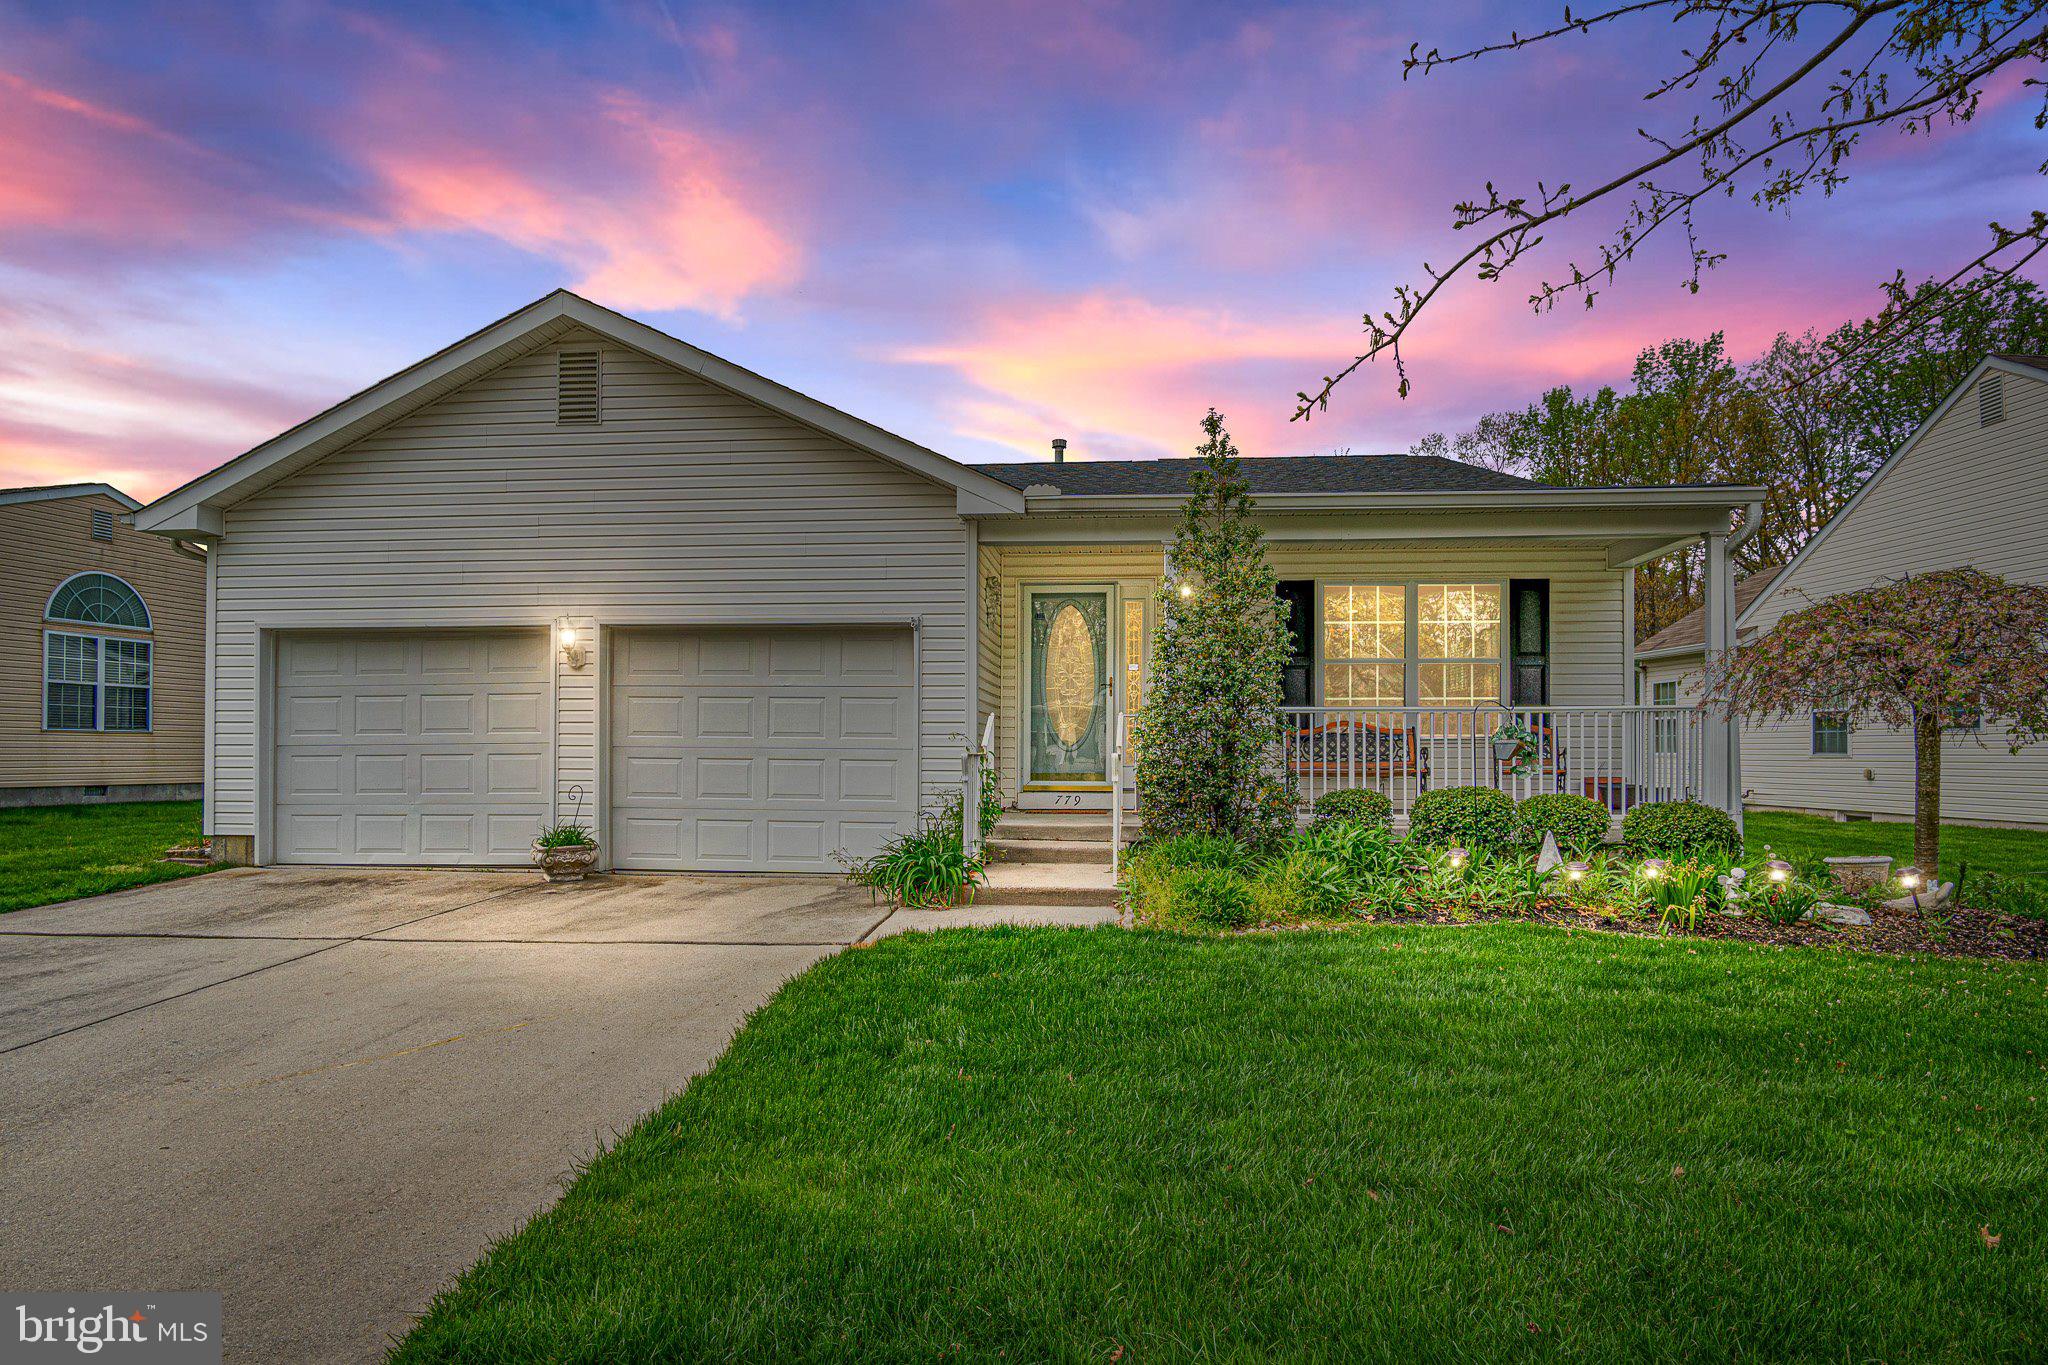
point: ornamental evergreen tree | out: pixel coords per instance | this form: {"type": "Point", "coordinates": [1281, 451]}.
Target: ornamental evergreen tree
{"type": "Point", "coordinates": [1956, 649]}
{"type": "Point", "coordinates": [1207, 736]}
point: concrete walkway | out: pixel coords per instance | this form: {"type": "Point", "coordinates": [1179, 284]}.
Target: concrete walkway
{"type": "Point", "coordinates": [324, 1092]}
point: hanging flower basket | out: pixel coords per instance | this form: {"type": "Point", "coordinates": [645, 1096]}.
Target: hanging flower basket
{"type": "Point", "coordinates": [1515, 748]}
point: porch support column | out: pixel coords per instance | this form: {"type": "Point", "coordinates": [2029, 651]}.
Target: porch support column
{"type": "Point", "coordinates": [1723, 785]}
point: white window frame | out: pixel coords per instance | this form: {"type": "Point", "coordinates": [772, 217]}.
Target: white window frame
{"type": "Point", "coordinates": [99, 684]}
{"type": "Point", "coordinates": [1813, 735]}
{"type": "Point", "coordinates": [1411, 663]}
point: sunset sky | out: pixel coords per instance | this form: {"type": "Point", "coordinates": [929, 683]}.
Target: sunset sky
{"type": "Point", "coordinates": [980, 224]}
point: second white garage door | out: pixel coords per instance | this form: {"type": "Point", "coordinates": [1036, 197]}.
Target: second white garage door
{"type": "Point", "coordinates": [760, 750]}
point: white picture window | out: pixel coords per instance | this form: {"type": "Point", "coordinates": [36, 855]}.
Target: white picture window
{"type": "Point", "coordinates": [1457, 627]}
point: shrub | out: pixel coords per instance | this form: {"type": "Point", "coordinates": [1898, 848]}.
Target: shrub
{"type": "Point", "coordinates": [2008, 895]}
{"type": "Point", "coordinates": [1478, 818]}
{"type": "Point", "coordinates": [1211, 896]}
{"type": "Point", "coordinates": [1361, 850]}
{"type": "Point", "coordinates": [1193, 850]}
{"type": "Point", "coordinates": [1353, 806]}
{"type": "Point", "coordinates": [1680, 829]}
{"type": "Point", "coordinates": [1578, 823]}
{"type": "Point", "coordinates": [924, 868]}
{"type": "Point", "coordinates": [1303, 885]}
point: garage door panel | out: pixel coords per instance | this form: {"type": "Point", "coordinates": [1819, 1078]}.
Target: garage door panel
{"type": "Point", "coordinates": [420, 747]}
{"type": "Point", "coordinates": [755, 750]}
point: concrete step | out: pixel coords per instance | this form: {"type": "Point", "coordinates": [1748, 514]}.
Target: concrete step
{"type": "Point", "coordinates": [1002, 850]}
{"type": "Point", "coordinates": [1041, 825]}
{"type": "Point", "coordinates": [1048, 884]}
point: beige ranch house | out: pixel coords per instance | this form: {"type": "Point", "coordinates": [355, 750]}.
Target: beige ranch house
{"type": "Point", "coordinates": [574, 568]}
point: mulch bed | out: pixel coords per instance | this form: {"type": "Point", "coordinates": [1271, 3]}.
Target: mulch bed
{"type": "Point", "coordinates": [1965, 933]}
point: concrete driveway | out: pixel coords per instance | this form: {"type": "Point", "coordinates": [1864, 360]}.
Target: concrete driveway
{"type": "Point", "coordinates": [324, 1092]}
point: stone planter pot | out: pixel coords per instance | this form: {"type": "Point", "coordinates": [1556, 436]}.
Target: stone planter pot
{"type": "Point", "coordinates": [565, 862]}
{"type": "Point", "coordinates": [1859, 875]}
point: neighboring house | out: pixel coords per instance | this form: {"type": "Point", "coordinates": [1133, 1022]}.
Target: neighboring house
{"type": "Point", "coordinates": [572, 567]}
{"type": "Point", "coordinates": [102, 675]}
{"type": "Point", "coordinates": [1670, 664]}
{"type": "Point", "coordinates": [1969, 488]}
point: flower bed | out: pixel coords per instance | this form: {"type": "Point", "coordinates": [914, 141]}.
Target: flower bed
{"type": "Point", "coordinates": [1344, 872]}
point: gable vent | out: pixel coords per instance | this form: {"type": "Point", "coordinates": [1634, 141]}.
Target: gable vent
{"type": "Point", "coordinates": [576, 386]}
{"type": "Point", "coordinates": [1991, 399]}
{"type": "Point", "coordinates": [102, 524]}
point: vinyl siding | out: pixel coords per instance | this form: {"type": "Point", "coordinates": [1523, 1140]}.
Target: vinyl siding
{"type": "Point", "coordinates": [41, 545]}
{"type": "Point", "coordinates": [1965, 495]}
{"type": "Point", "coordinates": [1587, 616]}
{"type": "Point", "coordinates": [688, 504]}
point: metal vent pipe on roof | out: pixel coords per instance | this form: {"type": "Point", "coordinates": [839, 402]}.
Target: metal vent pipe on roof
{"type": "Point", "coordinates": [1059, 450]}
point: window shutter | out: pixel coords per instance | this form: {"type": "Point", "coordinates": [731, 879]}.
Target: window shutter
{"type": "Point", "coordinates": [1529, 641]}
{"type": "Point", "coordinates": [102, 524]}
{"type": "Point", "coordinates": [1991, 399]}
{"type": "Point", "coordinates": [577, 386]}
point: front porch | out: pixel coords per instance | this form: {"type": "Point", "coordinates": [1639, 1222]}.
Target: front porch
{"type": "Point", "coordinates": [1410, 657]}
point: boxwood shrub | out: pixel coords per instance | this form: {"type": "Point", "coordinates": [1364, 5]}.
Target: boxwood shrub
{"type": "Point", "coordinates": [1680, 829]}
{"type": "Point", "coordinates": [1478, 818]}
{"type": "Point", "coordinates": [1578, 823]}
{"type": "Point", "coordinates": [1352, 806]}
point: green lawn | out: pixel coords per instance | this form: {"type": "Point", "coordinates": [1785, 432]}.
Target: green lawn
{"type": "Point", "coordinates": [1393, 1143]}
{"type": "Point", "coordinates": [2011, 852]}
{"type": "Point", "coordinates": [58, 853]}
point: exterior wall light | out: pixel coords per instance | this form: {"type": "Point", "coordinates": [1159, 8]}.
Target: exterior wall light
{"type": "Point", "coordinates": [1653, 868]}
{"type": "Point", "coordinates": [1779, 870]}
{"type": "Point", "coordinates": [571, 642]}
{"type": "Point", "coordinates": [1457, 857]}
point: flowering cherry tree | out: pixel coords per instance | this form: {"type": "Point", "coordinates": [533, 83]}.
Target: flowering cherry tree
{"type": "Point", "coordinates": [1929, 652]}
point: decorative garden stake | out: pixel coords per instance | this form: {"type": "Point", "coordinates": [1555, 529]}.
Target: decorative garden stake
{"type": "Point", "coordinates": [1952, 650]}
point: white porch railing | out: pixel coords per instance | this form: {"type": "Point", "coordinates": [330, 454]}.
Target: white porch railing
{"type": "Point", "coordinates": [1116, 797]}
{"type": "Point", "coordinates": [1621, 756]}
{"type": "Point", "coordinates": [970, 788]}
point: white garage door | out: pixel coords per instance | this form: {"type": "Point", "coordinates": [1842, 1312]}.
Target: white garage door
{"type": "Point", "coordinates": [761, 750]}
{"type": "Point", "coordinates": [427, 747]}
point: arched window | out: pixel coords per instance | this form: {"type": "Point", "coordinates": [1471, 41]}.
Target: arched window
{"type": "Point", "coordinates": [98, 599]}
{"type": "Point", "coordinates": [96, 682]}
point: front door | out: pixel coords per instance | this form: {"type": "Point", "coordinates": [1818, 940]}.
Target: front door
{"type": "Point", "coordinates": [1070, 687]}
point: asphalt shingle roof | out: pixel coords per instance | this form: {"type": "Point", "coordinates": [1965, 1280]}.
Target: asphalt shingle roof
{"type": "Point", "coordinates": [1267, 474]}
{"type": "Point", "coordinates": [2038, 362]}
{"type": "Point", "coordinates": [1690, 630]}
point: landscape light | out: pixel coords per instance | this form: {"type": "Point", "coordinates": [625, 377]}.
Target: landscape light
{"type": "Point", "coordinates": [1910, 878]}
{"type": "Point", "coordinates": [1457, 857]}
{"type": "Point", "coordinates": [1187, 589]}
{"type": "Point", "coordinates": [1654, 868]}
{"type": "Point", "coordinates": [1577, 871]}
{"type": "Point", "coordinates": [1779, 870]}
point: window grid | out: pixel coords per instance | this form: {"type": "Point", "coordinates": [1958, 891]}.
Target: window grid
{"type": "Point", "coordinates": [98, 599]}
{"type": "Point", "coordinates": [1458, 633]}
{"type": "Point", "coordinates": [1664, 734]}
{"type": "Point", "coordinates": [1365, 634]}
{"type": "Point", "coordinates": [93, 682]}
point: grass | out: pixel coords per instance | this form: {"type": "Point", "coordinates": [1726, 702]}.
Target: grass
{"type": "Point", "coordinates": [2011, 852]}
{"type": "Point", "coordinates": [59, 853]}
{"type": "Point", "coordinates": [1392, 1143]}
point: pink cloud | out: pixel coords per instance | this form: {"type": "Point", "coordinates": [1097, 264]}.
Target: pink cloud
{"type": "Point", "coordinates": [685, 225]}
{"type": "Point", "coordinates": [1123, 375]}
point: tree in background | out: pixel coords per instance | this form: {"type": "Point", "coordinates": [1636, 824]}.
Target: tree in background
{"type": "Point", "coordinates": [1782, 94]}
{"type": "Point", "coordinates": [1693, 415]}
{"type": "Point", "coordinates": [1951, 650]}
{"type": "Point", "coordinates": [1211, 718]}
